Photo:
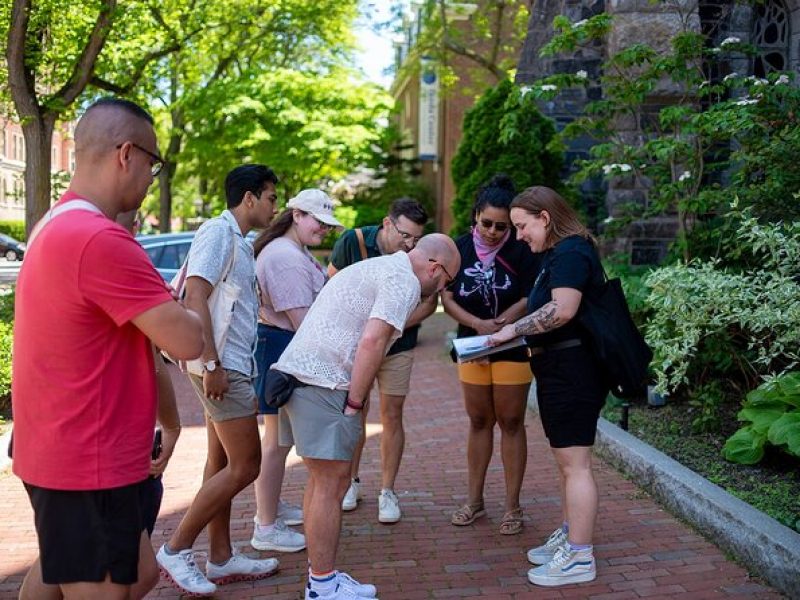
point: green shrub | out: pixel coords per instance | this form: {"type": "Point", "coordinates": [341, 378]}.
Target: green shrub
{"type": "Point", "coordinates": [504, 132]}
{"type": "Point", "coordinates": [710, 322]}
{"type": "Point", "coordinates": [6, 343]}
{"type": "Point", "coordinates": [772, 412]}
{"type": "Point", "coordinates": [7, 305]}
{"type": "Point", "coordinates": [16, 229]}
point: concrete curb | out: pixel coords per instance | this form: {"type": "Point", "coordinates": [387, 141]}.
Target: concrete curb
{"type": "Point", "coordinates": [766, 547]}
{"type": "Point", "coordinates": [757, 540]}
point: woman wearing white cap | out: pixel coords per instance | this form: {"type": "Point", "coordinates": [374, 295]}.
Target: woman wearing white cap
{"type": "Point", "coordinates": [289, 278]}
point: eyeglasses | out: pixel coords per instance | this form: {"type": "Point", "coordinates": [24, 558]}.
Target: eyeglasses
{"type": "Point", "coordinates": [498, 225]}
{"type": "Point", "coordinates": [156, 163]}
{"type": "Point", "coordinates": [449, 279]}
{"type": "Point", "coordinates": [320, 223]}
{"type": "Point", "coordinates": [404, 235]}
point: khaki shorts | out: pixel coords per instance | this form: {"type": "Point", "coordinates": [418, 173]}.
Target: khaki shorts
{"type": "Point", "coordinates": [314, 421]}
{"type": "Point", "coordinates": [394, 376]}
{"type": "Point", "coordinates": [239, 401]}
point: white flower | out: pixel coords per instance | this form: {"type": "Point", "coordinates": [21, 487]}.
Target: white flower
{"type": "Point", "coordinates": [747, 101]}
{"type": "Point", "coordinates": [524, 90]}
{"type": "Point", "coordinates": [548, 88]}
{"type": "Point", "coordinates": [608, 169]}
{"type": "Point", "coordinates": [757, 81]}
{"type": "Point", "coordinates": [580, 23]}
{"type": "Point", "coordinates": [704, 83]}
{"type": "Point", "coordinates": [782, 80]}
{"type": "Point", "coordinates": [730, 40]}
{"type": "Point", "coordinates": [730, 76]}
{"type": "Point", "coordinates": [581, 74]}
{"type": "Point", "coordinates": [715, 50]}
{"type": "Point", "coordinates": [607, 220]}
{"type": "Point", "coordinates": [685, 175]}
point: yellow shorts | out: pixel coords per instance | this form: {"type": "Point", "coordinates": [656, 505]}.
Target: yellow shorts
{"type": "Point", "coordinates": [495, 373]}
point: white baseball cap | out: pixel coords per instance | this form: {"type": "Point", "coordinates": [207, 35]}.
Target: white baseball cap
{"type": "Point", "coordinates": [316, 203]}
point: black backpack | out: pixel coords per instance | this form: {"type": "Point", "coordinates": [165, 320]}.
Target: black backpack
{"type": "Point", "coordinates": [615, 339]}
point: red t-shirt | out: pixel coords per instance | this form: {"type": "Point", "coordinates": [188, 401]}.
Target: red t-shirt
{"type": "Point", "coordinates": [83, 384]}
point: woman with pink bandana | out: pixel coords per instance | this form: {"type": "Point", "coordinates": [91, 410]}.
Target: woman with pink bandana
{"type": "Point", "coordinates": [490, 290]}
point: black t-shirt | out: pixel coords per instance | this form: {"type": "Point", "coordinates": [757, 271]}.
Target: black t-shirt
{"type": "Point", "coordinates": [487, 293]}
{"type": "Point", "coordinates": [571, 263]}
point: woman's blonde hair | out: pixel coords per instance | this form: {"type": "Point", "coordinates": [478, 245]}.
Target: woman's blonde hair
{"type": "Point", "coordinates": [564, 220]}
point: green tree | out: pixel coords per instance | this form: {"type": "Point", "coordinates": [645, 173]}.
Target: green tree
{"type": "Point", "coordinates": [503, 133]}
{"type": "Point", "coordinates": [54, 50]}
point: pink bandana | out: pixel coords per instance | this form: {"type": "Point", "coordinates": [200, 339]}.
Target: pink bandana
{"type": "Point", "coordinates": [485, 252]}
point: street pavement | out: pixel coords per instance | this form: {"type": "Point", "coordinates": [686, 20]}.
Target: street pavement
{"type": "Point", "coordinates": [641, 550]}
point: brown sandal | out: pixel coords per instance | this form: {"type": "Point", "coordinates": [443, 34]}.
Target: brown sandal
{"type": "Point", "coordinates": [467, 514]}
{"type": "Point", "coordinates": [511, 523]}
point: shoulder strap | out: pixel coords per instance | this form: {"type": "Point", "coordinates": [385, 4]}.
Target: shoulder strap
{"type": "Point", "coordinates": [362, 246]}
{"type": "Point", "coordinates": [51, 214]}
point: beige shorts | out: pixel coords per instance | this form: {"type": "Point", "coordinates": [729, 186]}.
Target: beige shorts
{"type": "Point", "coordinates": [394, 376]}
{"type": "Point", "coordinates": [239, 401]}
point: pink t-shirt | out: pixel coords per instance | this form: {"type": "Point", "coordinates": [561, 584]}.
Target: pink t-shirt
{"type": "Point", "coordinates": [83, 382]}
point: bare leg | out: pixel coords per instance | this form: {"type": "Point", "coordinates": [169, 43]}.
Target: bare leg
{"type": "Point", "coordinates": [355, 463]}
{"type": "Point", "coordinates": [393, 438]}
{"type": "Point", "coordinates": [510, 406]}
{"type": "Point", "coordinates": [323, 502]}
{"type": "Point", "coordinates": [270, 479]}
{"type": "Point", "coordinates": [33, 588]}
{"type": "Point", "coordinates": [575, 465]}
{"type": "Point", "coordinates": [480, 440]}
{"type": "Point", "coordinates": [235, 442]}
{"type": "Point", "coordinates": [148, 569]}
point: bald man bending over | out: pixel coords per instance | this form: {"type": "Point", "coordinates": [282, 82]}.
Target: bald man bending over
{"type": "Point", "coordinates": [89, 302]}
{"type": "Point", "coordinates": [335, 355]}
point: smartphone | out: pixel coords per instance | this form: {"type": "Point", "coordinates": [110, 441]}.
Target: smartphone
{"type": "Point", "coordinates": [156, 445]}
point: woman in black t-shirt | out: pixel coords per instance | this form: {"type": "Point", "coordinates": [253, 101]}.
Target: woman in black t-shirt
{"type": "Point", "coordinates": [570, 387]}
{"type": "Point", "coordinates": [491, 289]}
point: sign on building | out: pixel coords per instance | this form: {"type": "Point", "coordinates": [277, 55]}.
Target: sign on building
{"type": "Point", "coordinates": [428, 110]}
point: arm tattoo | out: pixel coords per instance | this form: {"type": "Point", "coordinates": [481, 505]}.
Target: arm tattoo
{"type": "Point", "coordinates": [543, 320]}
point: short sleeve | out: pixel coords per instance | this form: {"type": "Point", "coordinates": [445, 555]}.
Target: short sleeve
{"type": "Point", "coordinates": [288, 280]}
{"type": "Point", "coordinates": [341, 256]}
{"type": "Point", "coordinates": [396, 298]}
{"type": "Point", "coordinates": [116, 276]}
{"type": "Point", "coordinates": [210, 252]}
{"type": "Point", "coordinates": [570, 269]}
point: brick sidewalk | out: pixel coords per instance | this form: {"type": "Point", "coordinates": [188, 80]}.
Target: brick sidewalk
{"type": "Point", "coordinates": [641, 550]}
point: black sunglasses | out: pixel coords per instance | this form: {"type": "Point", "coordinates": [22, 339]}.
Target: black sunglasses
{"type": "Point", "coordinates": [498, 225]}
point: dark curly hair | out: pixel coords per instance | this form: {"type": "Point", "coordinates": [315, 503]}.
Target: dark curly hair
{"type": "Point", "coordinates": [498, 192]}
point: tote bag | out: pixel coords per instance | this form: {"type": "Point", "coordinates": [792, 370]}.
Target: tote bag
{"type": "Point", "coordinates": [220, 307]}
{"type": "Point", "coordinates": [615, 339]}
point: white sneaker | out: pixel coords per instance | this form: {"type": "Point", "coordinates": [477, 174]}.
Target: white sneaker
{"type": "Point", "coordinates": [541, 555]}
{"type": "Point", "coordinates": [388, 507]}
{"type": "Point", "coordinates": [363, 590]}
{"type": "Point", "coordinates": [352, 496]}
{"type": "Point", "coordinates": [279, 539]}
{"type": "Point", "coordinates": [291, 514]}
{"type": "Point", "coordinates": [181, 570]}
{"type": "Point", "coordinates": [568, 566]}
{"type": "Point", "coordinates": [345, 588]}
{"type": "Point", "coordinates": [241, 568]}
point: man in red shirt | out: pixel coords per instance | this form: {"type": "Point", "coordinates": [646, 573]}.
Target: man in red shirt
{"type": "Point", "coordinates": [83, 383]}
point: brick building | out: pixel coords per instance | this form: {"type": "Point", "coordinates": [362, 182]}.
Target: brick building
{"type": "Point", "coordinates": [12, 165]}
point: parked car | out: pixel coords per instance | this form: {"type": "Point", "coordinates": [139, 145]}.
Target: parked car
{"type": "Point", "coordinates": [169, 250]}
{"type": "Point", "coordinates": [10, 248]}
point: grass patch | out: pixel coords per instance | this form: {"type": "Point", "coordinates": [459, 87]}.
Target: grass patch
{"type": "Point", "coordinates": [772, 486]}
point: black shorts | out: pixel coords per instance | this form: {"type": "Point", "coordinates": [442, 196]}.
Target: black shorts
{"type": "Point", "coordinates": [571, 391]}
{"type": "Point", "coordinates": [84, 536]}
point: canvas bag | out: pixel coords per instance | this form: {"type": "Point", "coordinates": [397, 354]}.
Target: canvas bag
{"type": "Point", "coordinates": [220, 307]}
{"type": "Point", "coordinates": [615, 339]}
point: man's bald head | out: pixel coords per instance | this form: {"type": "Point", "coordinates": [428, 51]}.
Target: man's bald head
{"type": "Point", "coordinates": [109, 122]}
{"type": "Point", "coordinates": [435, 248]}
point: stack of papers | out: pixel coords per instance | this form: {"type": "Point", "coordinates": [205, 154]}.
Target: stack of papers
{"type": "Point", "coordinates": [477, 346]}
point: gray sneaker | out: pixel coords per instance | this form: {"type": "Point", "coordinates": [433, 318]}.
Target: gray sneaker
{"type": "Point", "coordinates": [542, 555]}
{"type": "Point", "coordinates": [352, 496]}
{"type": "Point", "coordinates": [291, 514]}
{"type": "Point", "coordinates": [181, 570]}
{"type": "Point", "coordinates": [241, 568]}
{"type": "Point", "coordinates": [279, 539]}
{"type": "Point", "coordinates": [567, 567]}
{"type": "Point", "coordinates": [388, 507]}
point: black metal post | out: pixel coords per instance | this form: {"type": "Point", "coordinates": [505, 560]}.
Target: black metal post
{"type": "Point", "coordinates": [623, 421]}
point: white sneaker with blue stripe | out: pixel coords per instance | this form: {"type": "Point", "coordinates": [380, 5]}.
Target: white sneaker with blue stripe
{"type": "Point", "coordinates": [568, 566]}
